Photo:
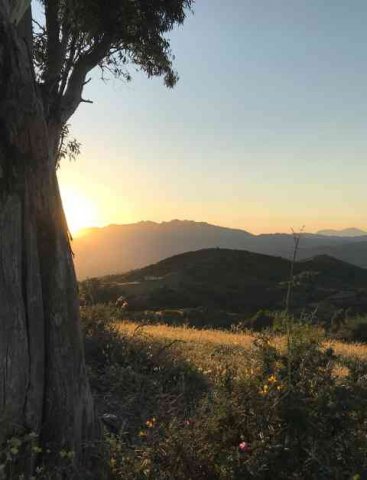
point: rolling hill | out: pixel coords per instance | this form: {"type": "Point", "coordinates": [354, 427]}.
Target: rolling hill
{"type": "Point", "coordinates": [120, 248]}
{"type": "Point", "coordinates": [237, 281]}
{"type": "Point", "coordinates": [354, 253]}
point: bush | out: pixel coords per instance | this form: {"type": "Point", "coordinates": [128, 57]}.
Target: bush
{"type": "Point", "coordinates": [262, 320]}
{"type": "Point", "coordinates": [359, 332]}
{"type": "Point", "coordinates": [133, 379]}
{"type": "Point", "coordinates": [353, 330]}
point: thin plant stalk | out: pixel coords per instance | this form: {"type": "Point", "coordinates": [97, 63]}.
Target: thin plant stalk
{"type": "Point", "coordinates": [288, 317]}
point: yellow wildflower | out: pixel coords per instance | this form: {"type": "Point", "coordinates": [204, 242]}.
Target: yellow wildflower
{"type": "Point", "coordinates": [264, 390]}
{"type": "Point", "coordinates": [272, 379]}
{"type": "Point", "coordinates": [150, 423]}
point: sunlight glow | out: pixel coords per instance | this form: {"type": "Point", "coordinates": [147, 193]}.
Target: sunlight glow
{"type": "Point", "coordinates": [80, 211]}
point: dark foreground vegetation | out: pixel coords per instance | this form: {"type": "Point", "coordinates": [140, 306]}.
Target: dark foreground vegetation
{"type": "Point", "coordinates": [188, 404]}
{"type": "Point", "coordinates": [179, 410]}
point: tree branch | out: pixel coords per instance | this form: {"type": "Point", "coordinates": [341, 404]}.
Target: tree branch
{"type": "Point", "coordinates": [68, 66]}
{"type": "Point", "coordinates": [41, 27]}
{"type": "Point", "coordinates": [56, 49]}
{"type": "Point", "coordinates": [73, 94]}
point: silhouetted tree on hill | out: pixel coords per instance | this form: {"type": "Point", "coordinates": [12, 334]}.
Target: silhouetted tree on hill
{"type": "Point", "coordinates": [43, 382]}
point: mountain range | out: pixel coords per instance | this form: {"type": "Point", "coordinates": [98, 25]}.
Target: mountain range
{"type": "Point", "coordinates": [120, 248]}
{"type": "Point", "coordinates": [346, 232]}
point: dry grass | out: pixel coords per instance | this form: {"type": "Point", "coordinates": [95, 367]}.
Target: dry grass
{"type": "Point", "coordinates": [210, 351]}
{"type": "Point", "coordinates": [221, 337]}
{"type": "Point", "coordinates": [213, 351]}
{"type": "Point", "coordinates": [349, 350]}
{"type": "Point", "coordinates": [186, 334]}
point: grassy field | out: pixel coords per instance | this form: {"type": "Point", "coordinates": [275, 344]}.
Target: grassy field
{"type": "Point", "coordinates": [207, 350]}
{"type": "Point", "coordinates": [203, 341]}
{"type": "Point", "coordinates": [190, 404]}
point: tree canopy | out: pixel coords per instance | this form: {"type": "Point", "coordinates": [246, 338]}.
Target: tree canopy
{"type": "Point", "coordinates": [78, 35]}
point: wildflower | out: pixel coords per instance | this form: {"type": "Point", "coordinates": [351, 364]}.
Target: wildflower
{"type": "Point", "coordinates": [244, 447]}
{"type": "Point", "coordinates": [150, 423]}
{"type": "Point", "coordinates": [188, 422]}
{"type": "Point", "coordinates": [264, 390]}
{"type": "Point", "coordinates": [142, 434]}
{"type": "Point", "coordinates": [272, 379]}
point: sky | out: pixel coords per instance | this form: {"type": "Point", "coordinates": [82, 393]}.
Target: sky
{"type": "Point", "coordinates": [266, 129]}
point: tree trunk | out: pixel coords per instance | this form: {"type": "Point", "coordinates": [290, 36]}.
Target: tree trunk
{"type": "Point", "coordinates": [43, 382]}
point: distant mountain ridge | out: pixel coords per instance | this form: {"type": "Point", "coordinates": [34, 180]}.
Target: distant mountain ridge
{"type": "Point", "coordinates": [346, 232]}
{"type": "Point", "coordinates": [120, 248]}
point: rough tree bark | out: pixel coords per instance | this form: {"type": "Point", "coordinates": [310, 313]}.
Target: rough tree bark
{"type": "Point", "coordinates": [43, 381]}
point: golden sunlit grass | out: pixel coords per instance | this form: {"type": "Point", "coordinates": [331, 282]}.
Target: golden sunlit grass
{"type": "Point", "coordinates": [349, 350]}
{"type": "Point", "coordinates": [211, 349]}
{"type": "Point", "coordinates": [208, 350]}
{"type": "Point", "coordinates": [208, 336]}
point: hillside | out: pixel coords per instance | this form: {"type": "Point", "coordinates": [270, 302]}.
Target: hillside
{"type": "Point", "coordinates": [355, 253]}
{"type": "Point", "coordinates": [120, 248]}
{"type": "Point", "coordinates": [236, 281]}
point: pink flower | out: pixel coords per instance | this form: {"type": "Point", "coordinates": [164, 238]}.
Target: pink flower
{"type": "Point", "coordinates": [244, 447]}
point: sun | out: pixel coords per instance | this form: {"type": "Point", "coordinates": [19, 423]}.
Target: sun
{"type": "Point", "coordinates": [80, 211]}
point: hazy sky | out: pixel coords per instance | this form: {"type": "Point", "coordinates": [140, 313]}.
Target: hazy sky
{"type": "Point", "coordinates": [266, 129]}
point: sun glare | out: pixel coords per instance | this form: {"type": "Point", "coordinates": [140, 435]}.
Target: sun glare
{"type": "Point", "coordinates": [79, 210]}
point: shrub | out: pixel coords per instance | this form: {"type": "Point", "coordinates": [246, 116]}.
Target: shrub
{"type": "Point", "coordinates": [262, 320]}
{"type": "Point", "coordinates": [132, 378]}
{"type": "Point", "coordinates": [353, 330]}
